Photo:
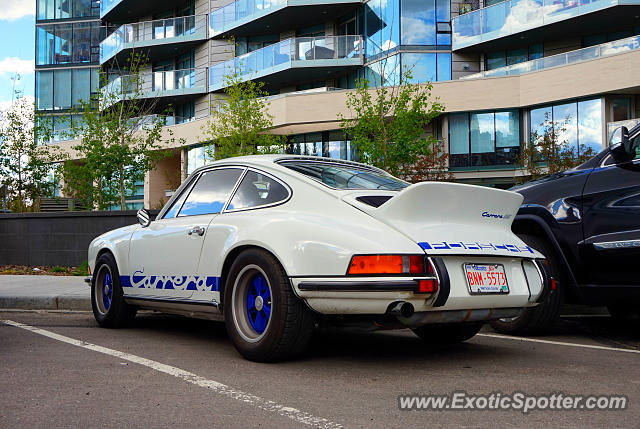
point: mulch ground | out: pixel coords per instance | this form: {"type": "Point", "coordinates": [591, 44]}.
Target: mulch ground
{"type": "Point", "coordinates": [42, 271]}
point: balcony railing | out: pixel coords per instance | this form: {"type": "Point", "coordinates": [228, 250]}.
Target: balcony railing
{"type": "Point", "coordinates": [324, 51]}
{"type": "Point", "coordinates": [156, 84]}
{"type": "Point", "coordinates": [229, 16]}
{"type": "Point", "coordinates": [514, 16]}
{"type": "Point", "coordinates": [571, 57]}
{"type": "Point", "coordinates": [148, 33]}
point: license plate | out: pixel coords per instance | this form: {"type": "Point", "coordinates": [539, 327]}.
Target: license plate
{"type": "Point", "coordinates": [486, 278]}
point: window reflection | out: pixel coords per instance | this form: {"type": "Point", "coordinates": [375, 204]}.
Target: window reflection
{"type": "Point", "coordinates": [211, 192]}
{"type": "Point", "coordinates": [582, 120]}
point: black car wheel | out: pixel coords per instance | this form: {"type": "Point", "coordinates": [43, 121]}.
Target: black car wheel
{"type": "Point", "coordinates": [537, 320]}
{"type": "Point", "coordinates": [109, 307]}
{"type": "Point", "coordinates": [451, 333]}
{"type": "Point", "coordinates": [264, 318]}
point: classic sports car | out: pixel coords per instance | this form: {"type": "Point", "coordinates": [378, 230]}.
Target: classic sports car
{"type": "Point", "coordinates": [273, 244]}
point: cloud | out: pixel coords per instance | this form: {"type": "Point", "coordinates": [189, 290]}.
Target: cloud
{"type": "Point", "coordinates": [11, 10]}
{"type": "Point", "coordinates": [10, 65]}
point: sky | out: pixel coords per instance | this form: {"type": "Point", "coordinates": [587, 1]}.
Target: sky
{"type": "Point", "coordinates": [17, 48]}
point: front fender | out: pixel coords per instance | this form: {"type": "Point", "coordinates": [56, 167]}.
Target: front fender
{"type": "Point", "coordinates": [117, 242]}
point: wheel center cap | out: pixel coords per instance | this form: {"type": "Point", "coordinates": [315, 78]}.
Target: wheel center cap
{"type": "Point", "coordinates": [106, 289]}
{"type": "Point", "coordinates": [259, 303]}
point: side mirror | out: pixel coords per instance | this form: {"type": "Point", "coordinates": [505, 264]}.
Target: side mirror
{"type": "Point", "coordinates": [620, 145]}
{"type": "Point", "coordinates": [144, 217]}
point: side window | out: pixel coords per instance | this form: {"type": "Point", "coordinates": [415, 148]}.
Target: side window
{"type": "Point", "coordinates": [211, 192]}
{"type": "Point", "coordinates": [173, 211]}
{"type": "Point", "coordinates": [257, 190]}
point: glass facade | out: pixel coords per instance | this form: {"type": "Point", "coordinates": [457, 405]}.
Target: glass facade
{"type": "Point", "coordinates": [65, 9]}
{"type": "Point", "coordinates": [63, 89]}
{"type": "Point", "coordinates": [479, 139]}
{"type": "Point", "coordinates": [67, 43]}
{"type": "Point", "coordinates": [581, 120]}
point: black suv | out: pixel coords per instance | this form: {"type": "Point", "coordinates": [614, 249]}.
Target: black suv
{"type": "Point", "coordinates": [586, 221]}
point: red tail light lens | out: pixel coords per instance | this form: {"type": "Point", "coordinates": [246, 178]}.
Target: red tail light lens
{"type": "Point", "coordinates": [428, 286]}
{"type": "Point", "coordinates": [386, 264]}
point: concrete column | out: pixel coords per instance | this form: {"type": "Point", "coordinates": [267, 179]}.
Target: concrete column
{"type": "Point", "coordinates": [165, 177]}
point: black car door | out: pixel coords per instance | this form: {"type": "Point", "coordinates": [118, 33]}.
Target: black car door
{"type": "Point", "coordinates": [611, 222]}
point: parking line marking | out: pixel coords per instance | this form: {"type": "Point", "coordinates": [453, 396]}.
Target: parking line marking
{"type": "Point", "coordinates": [560, 343]}
{"type": "Point", "coordinates": [222, 389]}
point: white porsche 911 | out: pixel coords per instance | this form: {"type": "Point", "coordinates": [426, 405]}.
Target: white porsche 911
{"type": "Point", "coordinates": [273, 244]}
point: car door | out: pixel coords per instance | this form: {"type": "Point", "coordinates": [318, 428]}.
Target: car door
{"type": "Point", "coordinates": [164, 256]}
{"type": "Point", "coordinates": [611, 222]}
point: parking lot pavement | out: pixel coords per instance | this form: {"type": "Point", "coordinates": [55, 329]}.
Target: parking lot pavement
{"type": "Point", "coordinates": [44, 293]}
{"type": "Point", "coordinates": [61, 370]}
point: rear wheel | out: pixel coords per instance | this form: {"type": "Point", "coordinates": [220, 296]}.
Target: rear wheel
{"type": "Point", "coordinates": [264, 318]}
{"type": "Point", "coordinates": [541, 318]}
{"type": "Point", "coordinates": [451, 333]}
{"type": "Point", "coordinates": [107, 300]}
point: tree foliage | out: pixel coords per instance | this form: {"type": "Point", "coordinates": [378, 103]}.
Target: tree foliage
{"type": "Point", "coordinates": [387, 123]}
{"type": "Point", "coordinates": [120, 139]}
{"type": "Point", "coordinates": [240, 120]}
{"type": "Point", "coordinates": [26, 168]}
{"type": "Point", "coordinates": [549, 151]}
{"type": "Point", "coordinates": [432, 167]}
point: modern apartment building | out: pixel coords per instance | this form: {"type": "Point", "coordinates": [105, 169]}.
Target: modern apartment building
{"type": "Point", "coordinates": [499, 69]}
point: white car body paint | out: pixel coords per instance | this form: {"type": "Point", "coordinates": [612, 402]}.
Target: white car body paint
{"type": "Point", "coordinates": [315, 233]}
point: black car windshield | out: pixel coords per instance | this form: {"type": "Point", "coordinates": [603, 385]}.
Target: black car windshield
{"type": "Point", "coordinates": [344, 176]}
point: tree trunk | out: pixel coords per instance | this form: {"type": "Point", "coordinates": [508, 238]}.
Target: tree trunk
{"type": "Point", "coordinates": [122, 196]}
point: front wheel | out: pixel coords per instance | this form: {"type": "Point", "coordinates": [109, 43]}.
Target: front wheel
{"type": "Point", "coordinates": [451, 333]}
{"type": "Point", "coordinates": [264, 318]}
{"type": "Point", "coordinates": [107, 301]}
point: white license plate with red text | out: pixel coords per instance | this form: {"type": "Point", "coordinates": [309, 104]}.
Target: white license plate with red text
{"type": "Point", "coordinates": [486, 278]}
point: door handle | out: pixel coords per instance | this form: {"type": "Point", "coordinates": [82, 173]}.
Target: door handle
{"type": "Point", "coordinates": [196, 230]}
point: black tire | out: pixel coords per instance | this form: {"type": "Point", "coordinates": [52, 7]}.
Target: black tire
{"type": "Point", "coordinates": [289, 323]}
{"type": "Point", "coordinates": [540, 319]}
{"type": "Point", "coordinates": [113, 312]}
{"type": "Point", "coordinates": [451, 333]}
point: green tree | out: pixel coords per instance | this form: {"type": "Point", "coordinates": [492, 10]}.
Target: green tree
{"type": "Point", "coordinates": [120, 138]}
{"type": "Point", "coordinates": [387, 123]}
{"type": "Point", "coordinates": [26, 168]}
{"type": "Point", "coordinates": [549, 150]}
{"type": "Point", "coordinates": [240, 120]}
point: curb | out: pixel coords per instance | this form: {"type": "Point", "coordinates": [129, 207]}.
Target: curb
{"type": "Point", "coordinates": [46, 303]}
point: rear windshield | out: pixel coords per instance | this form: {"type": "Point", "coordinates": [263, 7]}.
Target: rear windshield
{"type": "Point", "coordinates": [346, 176]}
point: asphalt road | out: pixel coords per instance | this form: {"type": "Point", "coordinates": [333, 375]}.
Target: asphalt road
{"type": "Point", "coordinates": [168, 371]}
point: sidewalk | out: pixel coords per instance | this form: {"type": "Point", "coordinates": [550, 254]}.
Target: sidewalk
{"type": "Point", "coordinates": [44, 293]}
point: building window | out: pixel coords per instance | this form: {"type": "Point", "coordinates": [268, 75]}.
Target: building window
{"type": "Point", "coordinates": [196, 158]}
{"type": "Point", "coordinates": [64, 9]}
{"type": "Point", "coordinates": [382, 24]}
{"type": "Point", "coordinates": [581, 120]}
{"type": "Point", "coordinates": [480, 139]}
{"type": "Point", "coordinates": [427, 66]}
{"type": "Point", "coordinates": [65, 88]}
{"type": "Point", "coordinates": [67, 43]}
{"type": "Point", "coordinates": [499, 59]}
{"type": "Point", "coordinates": [425, 22]}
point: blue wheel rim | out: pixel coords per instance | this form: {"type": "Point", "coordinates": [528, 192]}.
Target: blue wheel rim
{"type": "Point", "coordinates": [258, 303]}
{"type": "Point", "coordinates": [107, 291]}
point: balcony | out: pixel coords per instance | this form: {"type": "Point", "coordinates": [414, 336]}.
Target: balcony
{"type": "Point", "coordinates": [172, 85]}
{"type": "Point", "coordinates": [580, 55]}
{"type": "Point", "coordinates": [525, 18]}
{"type": "Point", "coordinates": [155, 37]}
{"type": "Point", "coordinates": [281, 63]}
{"type": "Point", "coordinates": [246, 17]}
{"type": "Point", "coordinates": [124, 11]}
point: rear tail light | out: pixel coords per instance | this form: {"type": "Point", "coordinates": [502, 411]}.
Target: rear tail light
{"type": "Point", "coordinates": [428, 286]}
{"type": "Point", "coordinates": [386, 264]}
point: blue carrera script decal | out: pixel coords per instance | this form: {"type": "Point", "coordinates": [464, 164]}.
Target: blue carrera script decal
{"type": "Point", "coordinates": [475, 246]}
{"type": "Point", "coordinates": [200, 283]}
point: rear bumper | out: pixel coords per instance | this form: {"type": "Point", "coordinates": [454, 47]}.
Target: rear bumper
{"type": "Point", "coordinates": [375, 295]}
